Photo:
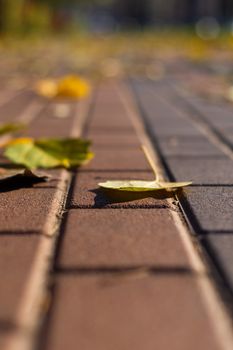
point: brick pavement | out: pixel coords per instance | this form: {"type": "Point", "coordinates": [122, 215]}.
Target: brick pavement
{"type": "Point", "coordinates": [81, 270]}
{"type": "Point", "coordinates": [208, 204]}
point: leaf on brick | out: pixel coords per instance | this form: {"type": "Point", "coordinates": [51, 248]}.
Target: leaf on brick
{"type": "Point", "coordinates": [10, 128]}
{"type": "Point", "coordinates": [71, 87]}
{"type": "Point", "coordinates": [142, 186]}
{"type": "Point", "coordinates": [49, 153]}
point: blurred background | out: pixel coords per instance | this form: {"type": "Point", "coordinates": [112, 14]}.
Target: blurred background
{"type": "Point", "coordinates": [24, 16]}
{"type": "Point", "coordinates": [190, 40]}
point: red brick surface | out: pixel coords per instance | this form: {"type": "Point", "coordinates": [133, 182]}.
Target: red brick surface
{"type": "Point", "coordinates": [17, 253]}
{"type": "Point", "coordinates": [26, 209]}
{"type": "Point", "coordinates": [121, 238]}
{"type": "Point", "coordinates": [48, 125]}
{"type": "Point", "coordinates": [122, 275]}
{"type": "Point", "coordinates": [136, 312]}
{"type": "Point", "coordinates": [111, 140]}
{"type": "Point", "coordinates": [127, 159]}
{"type": "Point", "coordinates": [11, 110]}
{"type": "Point", "coordinates": [86, 192]}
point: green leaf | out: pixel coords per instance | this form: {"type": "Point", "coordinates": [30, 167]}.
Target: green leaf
{"type": "Point", "coordinates": [142, 186]}
{"type": "Point", "coordinates": [49, 153]}
{"type": "Point", "coordinates": [10, 128]}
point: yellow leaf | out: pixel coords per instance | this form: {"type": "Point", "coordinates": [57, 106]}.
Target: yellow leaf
{"type": "Point", "coordinates": [68, 87]}
{"type": "Point", "coordinates": [72, 86]}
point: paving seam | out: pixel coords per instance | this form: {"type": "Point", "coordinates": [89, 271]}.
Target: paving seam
{"type": "Point", "coordinates": [184, 108]}
{"type": "Point", "coordinates": [200, 121]}
{"type": "Point", "coordinates": [36, 292]}
{"type": "Point", "coordinates": [7, 97]}
{"type": "Point", "coordinates": [218, 275]}
{"type": "Point", "coordinates": [215, 306]}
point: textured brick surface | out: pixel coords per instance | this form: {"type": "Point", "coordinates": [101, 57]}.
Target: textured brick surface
{"type": "Point", "coordinates": [202, 170]}
{"type": "Point", "coordinates": [188, 146]}
{"type": "Point", "coordinates": [86, 192]}
{"type": "Point", "coordinates": [218, 115]}
{"type": "Point", "coordinates": [109, 111]}
{"type": "Point", "coordinates": [121, 238]}
{"type": "Point", "coordinates": [114, 139]}
{"type": "Point", "coordinates": [220, 247]}
{"type": "Point", "coordinates": [13, 108]}
{"type": "Point", "coordinates": [129, 312]}
{"type": "Point", "coordinates": [212, 207]}
{"type": "Point", "coordinates": [228, 136]}
{"type": "Point", "coordinates": [110, 116]}
{"type": "Point", "coordinates": [173, 127]}
{"type": "Point", "coordinates": [26, 209]}
{"type": "Point", "coordinates": [164, 119]}
{"type": "Point", "coordinates": [193, 157]}
{"type": "Point", "coordinates": [16, 259]}
{"type": "Point", "coordinates": [48, 125]}
{"type": "Point", "coordinates": [127, 159]}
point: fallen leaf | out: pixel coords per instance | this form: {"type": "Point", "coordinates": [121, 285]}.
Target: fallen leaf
{"type": "Point", "coordinates": [142, 186]}
{"type": "Point", "coordinates": [70, 86]}
{"type": "Point", "coordinates": [48, 153]}
{"type": "Point", "coordinates": [10, 128]}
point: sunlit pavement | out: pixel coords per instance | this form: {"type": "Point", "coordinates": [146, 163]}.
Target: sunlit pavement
{"type": "Point", "coordinates": [81, 268]}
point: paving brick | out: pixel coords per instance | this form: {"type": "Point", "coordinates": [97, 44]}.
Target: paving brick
{"type": "Point", "coordinates": [174, 127]}
{"type": "Point", "coordinates": [26, 209]}
{"type": "Point", "coordinates": [218, 115]}
{"type": "Point", "coordinates": [135, 312]}
{"type": "Point", "coordinates": [109, 112]}
{"type": "Point", "coordinates": [121, 238]}
{"type": "Point", "coordinates": [127, 159]}
{"type": "Point", "coordinates": [47, 125]}
{"type": "Point", "coordinates": [188, 146]}
{"type": "Point", "coordinates": [86, 193]}
{"type": "Point", "coordinates": [110, 117]}
{"type": "Point", "coordinates": [16, 258]}
{"type": "Point", "coordinates": [211, 207]}
{"type": "Point", "coordinates": [228, 135]}
{"type": "Point", "coordinates": [203, 170]}
{"type": "Point", "coordinates": [113, 139]}
{"type": "Point", "coordinates": [163, 120]}
{"type": "Point", "coordinates": [12, 109]}
{"type": "Point", "coordinates": [220, 247]}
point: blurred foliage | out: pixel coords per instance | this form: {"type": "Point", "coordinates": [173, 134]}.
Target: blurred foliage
{"type": "Point", "coordinates": [203, 66]}
{"type": "Point", "coordinates": [24, 16]}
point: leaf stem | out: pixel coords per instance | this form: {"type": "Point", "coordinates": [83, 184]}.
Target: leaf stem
{"type": "Point", "coordinates": [150, 161]}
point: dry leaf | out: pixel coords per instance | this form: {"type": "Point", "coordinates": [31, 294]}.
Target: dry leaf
{"type": "Point", "coordinates": [143, 186]}
{"type": "Point", "coordinates": [68, 87]}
